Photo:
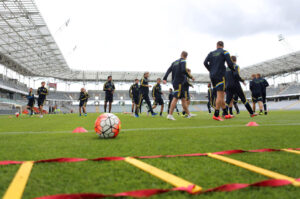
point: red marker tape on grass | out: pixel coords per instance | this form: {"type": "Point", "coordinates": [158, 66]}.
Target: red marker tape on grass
{"type": "Point", "coordinates": [60, 160]}
{"type": "Point", "coordinates": [151, 192]}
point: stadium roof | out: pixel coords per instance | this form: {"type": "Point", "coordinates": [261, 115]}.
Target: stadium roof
{"type": "Point", "coordinates": [27, 46]}
{"type": "Point", "coordinates": [281, 65]}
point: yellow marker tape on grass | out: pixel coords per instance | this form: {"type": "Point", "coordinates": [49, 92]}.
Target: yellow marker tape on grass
{"type": "Point", "coordinates": [255, 169]}
{"type": "Point", "coordinates": [17, 186]}
{"type": "Point", "coordinates": [291, 151]}
{"type": "Point", "coordinates": [163, 175]}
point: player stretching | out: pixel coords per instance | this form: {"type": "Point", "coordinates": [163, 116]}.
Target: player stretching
{"type": "Point", "coordinates": [109, 89]}
{"type": "Point", "coordinates": [233, 87]}
{"type": "Point", "coordinates": [144, 95]}
{"type": "Point", "coordinates": [83, 98]}
{"type": "Point", "coordinates": [215, 64]}
{"type": "Point", "coordinates": [157, 96]}
{"type": "Point", "coordinates": [255, 88]}
{"type": "Point", "coordinates": [30, 104]}
{"type": "Point", "coordinates": [179, 71]}
{"type": "Point", "coordinates": [264, 85]}
{"type": "Point", "coordinates": [171, 96]}
{"type": "Point", "coordinates": [42, 93]}
{"type": "Point", "coordinates": [134, 95]}
{"type": "Point", "coordinates": [186, 91]}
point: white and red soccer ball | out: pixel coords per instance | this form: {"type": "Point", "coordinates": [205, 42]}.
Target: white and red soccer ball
{"type": "Point", "coordinates": [17, 114]}
{"type": "Point", "coordinates": [108, 125]}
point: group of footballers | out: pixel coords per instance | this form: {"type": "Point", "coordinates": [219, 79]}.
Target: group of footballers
{"type": "Point", "coordinates": [227, 80]}
{"type": "Point", "coordinates": [224, 81]}
{"type": "Point", "coordinates": [42, 92]}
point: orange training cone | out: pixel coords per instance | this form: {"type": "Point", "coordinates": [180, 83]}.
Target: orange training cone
{"type": "Point", "coordinates": [252, 124]}
{"type": "Point", "coordinates": [80, 130]}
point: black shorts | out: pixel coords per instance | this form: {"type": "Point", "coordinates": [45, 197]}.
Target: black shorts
{"type": "Point", "coordinates": [256, 97]}
{"type": "Point", "coordinates": [109, 98]}
{"type": "Point", "coordinates": [82, 103]}
{"type": "Point", "coordinates": [135, 100]}
{"type": "Point", "coordinates": [235, 98]}
{"type": "Point", "coordinates": [30, 103]}
{"type": "Point", "coordinates": [41, 101]}
{"type": "Point", "coordinates": [178, 92]}
{"type": "Point", "coordinates": [218, 83]}
{"type": "Point", "coordinates": [158, 101]}
{"type": "Point", "coordinates": [186, 94]}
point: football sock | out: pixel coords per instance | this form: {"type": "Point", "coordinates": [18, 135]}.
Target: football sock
{"type": "Point", "coordinates": [183, 112]}
{"type": "Point", "coordinates": [160, 113]}
{"type": "Point", "coordinates": [217, 112]}
{"type": "Point", "coordinates": [249, 109]}
{"type": "Point", "coordinates": [225, 111]}
{"type": "Point", "coordinates": [236, 108]}
{"type": "Point", "coordinates": [265, 107]}
{"type": "Point", "coordinates": [230, 110]}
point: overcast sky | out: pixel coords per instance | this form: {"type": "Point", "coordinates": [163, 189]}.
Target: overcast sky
{"type": "Point", "coordinates": [140, 35]}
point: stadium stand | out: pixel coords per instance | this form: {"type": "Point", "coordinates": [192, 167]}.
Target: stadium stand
{"type": "Point", "coordinates": [28, 48]}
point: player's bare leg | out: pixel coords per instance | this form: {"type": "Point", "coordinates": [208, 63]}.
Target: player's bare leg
{"type": "Point", "coordinates": [220, 103]}
{"type": "Point", "coordinates": [261, 105]}
{"type": "Point", "coordinates": [172, 107]}
{"type": "Point", "coordinates": [105, 106]}
{"type": "Point", "coordinates": [132, 108]}
{"type": "Point", "coordinates": [41, 111]}
{"type": "Point", "coordinates": [253, 106]}
{"type": "Point", "coordinates": [185, 106]}
{"type": "Point", "coordinates": [109, 107]}
{"type": "Point", "coordinates": [161, 109]}
{"type": "Point", "coordinates": [84, 110]}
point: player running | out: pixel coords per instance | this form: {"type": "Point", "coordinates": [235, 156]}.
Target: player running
{"type": "Point", "coordinates": [30, 104]}
{"type": "Point", "coordinates": [264, 85]}
{"type": "Point", "coordinates": [109, 89]}
{"type": "Point", "coordinates": [256, 94]}
{"type": "Point", "coordinates": [215, 64]}
{"type": "Point", "coordinates": [179, 71]}
{"type": "Point", "coordinates": [157, 96]}
{"type": "Point", "coordinates": [42, 93]}
{"type": "Point", "coordinates": [233, 87]}
{"type": "Point", "coordinates": [134, 95]}
{"type": "Point", "coordinates": [144, 94]}
{"type": "Point", "coordinates": [83, 98]}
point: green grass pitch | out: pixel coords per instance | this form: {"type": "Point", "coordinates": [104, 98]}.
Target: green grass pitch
{"type": "Point", "coordinates": [34, 138]}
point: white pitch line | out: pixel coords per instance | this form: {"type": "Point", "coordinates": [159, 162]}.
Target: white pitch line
{"type": "Point", "coordinates": [150, 129]}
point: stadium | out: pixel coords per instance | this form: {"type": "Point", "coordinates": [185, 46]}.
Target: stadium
{"type": "Point", "coordinates": [54, 146]}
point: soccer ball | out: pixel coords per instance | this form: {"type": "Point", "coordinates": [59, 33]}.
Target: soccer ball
{"type": "Point", "coordinates": [107, 125]}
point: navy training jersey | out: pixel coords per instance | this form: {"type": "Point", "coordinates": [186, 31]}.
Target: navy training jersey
{"type": "Point", "coordinates": [215, 62]}
{"type": "Point", "coordinates": [144, 86]}
{"type": "Point", "coordinates": [109, 87]}
{"type": "Point", "coordinates": [156, 91]}
{"type": "Point", "coordinates": [134, 90]}
{"type": "Point", "coordinates": [178, 70]}
{"type": "Point", "coordinates": [264, 84]}
{"type": "Point", "coordinates": [42, 92]}
{"type": "Point", "coordinates": [233, 78]}
{"type": "Point", "coordinates": [255, 86]}
{"type": "Point", "coordinates": [30, 97]}
{"type": "Point", "coordinates": [83, 96]}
